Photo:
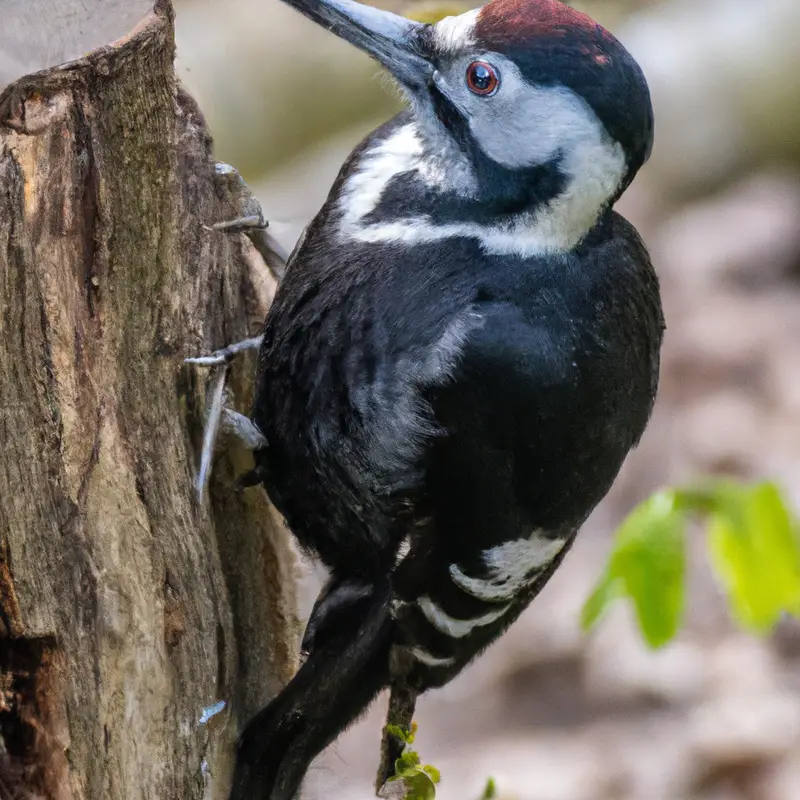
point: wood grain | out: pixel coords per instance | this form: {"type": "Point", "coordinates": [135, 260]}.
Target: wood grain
{"type": "Point", "coordinates": [125, 606]}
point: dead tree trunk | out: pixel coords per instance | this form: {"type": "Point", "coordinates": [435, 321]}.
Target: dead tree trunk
{"type": "Point", "coordinates": [126, 606]}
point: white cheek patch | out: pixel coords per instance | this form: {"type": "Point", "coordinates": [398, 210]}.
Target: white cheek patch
{"type": "Point", "coordinates": [511, 567]}
{"type": "Point", "coordinates": [521, 126]}
{"type": "Point", "coordinates": [453, 34]}
{"type": "Point", "coordinates": [524, 125]}
{"type": "Point", "coordinates": [403, 152]}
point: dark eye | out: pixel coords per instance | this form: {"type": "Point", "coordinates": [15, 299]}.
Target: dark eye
{"type": "Point", "coordinates": [482, 78]}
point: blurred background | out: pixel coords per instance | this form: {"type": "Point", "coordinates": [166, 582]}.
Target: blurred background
{"type": "Point", "coordinates": [552, 714]}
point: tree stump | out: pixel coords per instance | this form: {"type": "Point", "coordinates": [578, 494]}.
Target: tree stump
{"type": "Point", "coordinates": [126, 605]}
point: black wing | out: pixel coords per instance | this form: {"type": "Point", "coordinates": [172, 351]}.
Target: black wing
{"type": "Point", "coordinates": [538, 414]}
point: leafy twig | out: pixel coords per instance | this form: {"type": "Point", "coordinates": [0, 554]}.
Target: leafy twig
{"type": "Point", "coordinates": [412, 780]}
{"type": "Point", "coordinates": [754, 547]}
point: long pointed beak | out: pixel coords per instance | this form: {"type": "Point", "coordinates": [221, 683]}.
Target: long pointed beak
{"type": "Point", "coordinates": [389, 38]}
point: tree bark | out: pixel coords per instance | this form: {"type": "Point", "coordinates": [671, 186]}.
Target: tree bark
{"type": "Point", "coordinates": [126, 605]}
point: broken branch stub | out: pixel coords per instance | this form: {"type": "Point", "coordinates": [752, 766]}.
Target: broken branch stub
{"type": "Point", "coordinates": [126, 608]}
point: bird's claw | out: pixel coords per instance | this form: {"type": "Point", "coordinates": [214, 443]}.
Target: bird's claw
{"type": "Point", "coordinates": [251, 221]}
{"type": "Point", "coordinates": [254, 222]}
{"type": "Point", "coordinates": [226, 354]}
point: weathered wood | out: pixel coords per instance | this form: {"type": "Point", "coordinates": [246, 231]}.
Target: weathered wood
{"type": "Point", "coordinates": [36, 34]}
{"type": "Point", "coordinates": [125, 606]}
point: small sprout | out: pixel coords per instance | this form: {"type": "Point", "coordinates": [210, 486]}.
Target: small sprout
{"type": "Point", "coordinates": [490, 792]}
{"type": "Point", "coordinates": [402, 735]}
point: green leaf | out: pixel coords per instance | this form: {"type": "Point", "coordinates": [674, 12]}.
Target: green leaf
{"type": "Point", "coordinates": [408, 760]}
{"type": "Point", "coordinates": [432, 773]}
{"type": "Point", "coordinates": [754, 546]}
{"type": "Point", "coordinates": [608, 589]}
{"type": "Point", "coordinates": [419, 786]}
{"type": "Point", "coordinates": [755, 551]}
{"type": "Point", "coordinates": [647, 565]}
{"type": "Point", "coordinates": [490, 792]}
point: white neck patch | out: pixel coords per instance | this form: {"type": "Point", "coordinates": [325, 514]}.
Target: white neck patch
{"type": "Point", "coordinates": [399, 153]}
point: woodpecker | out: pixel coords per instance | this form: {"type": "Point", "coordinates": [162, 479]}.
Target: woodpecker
{"type": "Point", "coordinates": [463, 350]}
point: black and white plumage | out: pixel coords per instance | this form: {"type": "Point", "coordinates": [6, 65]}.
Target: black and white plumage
{"type": "Point", "coordinates": [463, 350]}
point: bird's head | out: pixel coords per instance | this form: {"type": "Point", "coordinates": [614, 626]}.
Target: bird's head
{"type": "Point", "coordinates": [534, 99]}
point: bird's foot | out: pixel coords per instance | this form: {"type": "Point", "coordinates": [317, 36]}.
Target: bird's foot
{"type": "Point", "coordinates": [250, 220]}
{"type": "Point", "coordinates": [218, 416]}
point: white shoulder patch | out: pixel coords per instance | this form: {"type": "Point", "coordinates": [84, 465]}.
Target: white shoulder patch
{"type": "Point", "coordinates": [512, 567]}
{"type": "Point", "coordinates": [404, 426]}
{"type": "Point", "coordinates": [442, 358]}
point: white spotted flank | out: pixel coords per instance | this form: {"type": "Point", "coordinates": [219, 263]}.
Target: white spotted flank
{"type": "Point", "coordinates": [424, 657]}
{"type": "Point", "coordinates": [456, 628]}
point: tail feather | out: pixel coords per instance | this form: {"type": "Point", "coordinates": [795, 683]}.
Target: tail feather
{"type": "Point", "coordinates": [337, 682]}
